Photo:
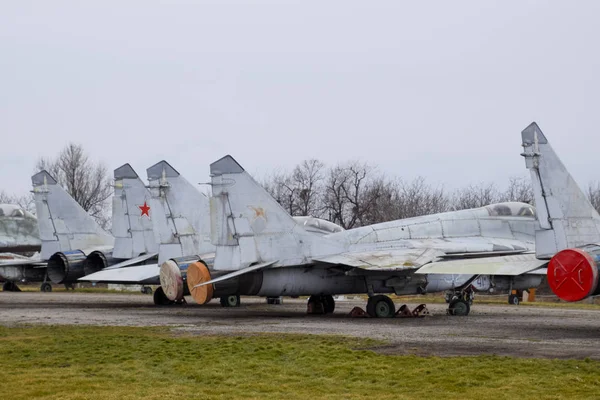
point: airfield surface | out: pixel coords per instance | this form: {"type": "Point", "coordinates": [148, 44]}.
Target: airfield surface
{"type": "Point", "coordinates": [521, 331]}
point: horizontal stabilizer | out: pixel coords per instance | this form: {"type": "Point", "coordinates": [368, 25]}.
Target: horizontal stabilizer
{"type": "Point", "coordinates": [132, 261]}
{"type": "Point", "coordinates": [141, 274]}
{"type": "Point", "coordinates": [237, 273]}
{"type": "Point", "coordinates": [503, 265]}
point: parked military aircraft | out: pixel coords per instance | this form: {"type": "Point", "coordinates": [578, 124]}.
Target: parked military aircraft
{"type": "Point", "coordinates": [73, 244]}
{"type": "Point", "coordinates": [569, 232]}
{"type": "Point", "coordinates": [181, 219]}
{"type": "Point", "coordinates": [18, 230]}
{"type": "Point", "coordinates": [262, 251]}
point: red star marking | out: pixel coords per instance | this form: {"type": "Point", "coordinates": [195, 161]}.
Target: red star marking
{"type": "Point", "coordinates": [145, 209]}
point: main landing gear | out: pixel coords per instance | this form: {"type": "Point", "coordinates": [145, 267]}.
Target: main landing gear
{"type": "Point", "coordinates": [381, 306]}
{"type": "Point", "coordinates": [324, 304]}
{"type": "Point", "coordinates": [230, 301]}
{"type": "Point", "coordinates": [161, 299]}
{"type": "Point", "coordinates": [9, 286]}
{"type": "Point", "coordinates": [46, 287]}
{"type": "Point", "coordinates": [459, 302]}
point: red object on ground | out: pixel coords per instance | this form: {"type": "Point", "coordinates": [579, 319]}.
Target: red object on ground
{"type": "Point", "coordinates": [572, 275]}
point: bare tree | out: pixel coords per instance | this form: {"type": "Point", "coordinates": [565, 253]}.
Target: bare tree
{"type": "Point", "coordinates": [299, 192]}
{"type": "Point", "coordinates": [594, 194]}
{"type": "Point", "coordinates": [351, 192]}
{"type": "Point", "coordinates": [519, 189]}
{"type": "Point", "coordinates": [474, 196]}
{"type": "Point", "coordinates": [87, 182]}
{"type": "Point", "coordinates": [308, 178]}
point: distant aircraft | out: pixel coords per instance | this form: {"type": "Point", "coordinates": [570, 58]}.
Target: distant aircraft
{"type": "Point", "coordinates": [18, 230]}
{"type": "Point", "coordinates": [73, 244]}
{"type": "Point", "coordinates": [569, 233]}
{"type": "Point", "coordinates": [261, 250]}
{"type": "Point", "coordinates": [181, 221]}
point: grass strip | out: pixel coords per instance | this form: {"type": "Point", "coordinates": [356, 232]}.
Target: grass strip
{"type": "Point", "coordinates": [52, 362]}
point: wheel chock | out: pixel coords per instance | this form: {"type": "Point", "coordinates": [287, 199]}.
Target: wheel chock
{"type": "Point", "coordinates": [358, 312]}
{"type": "Point", "coordinates": [404, 312]}
{"type": "Point", "coordinates": [421, 311]}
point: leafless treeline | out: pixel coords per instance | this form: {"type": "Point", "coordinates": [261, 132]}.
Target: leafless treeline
{"type": "Point", "coordinates": [350, 194]}
{"type": "Point", "coordinates": [354, 194]}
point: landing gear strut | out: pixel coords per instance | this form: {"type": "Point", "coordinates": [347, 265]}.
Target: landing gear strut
{"type": "Point", "coordinates": [323, 304]}
{"type": "Point", "coordinates": [10, 287]}
{"type": "Point", "coordinates": [230, 301]}
{"type": "Point", "coordinates": [459, 302]}
{"type": "Point", "coordinates": [381, 306]}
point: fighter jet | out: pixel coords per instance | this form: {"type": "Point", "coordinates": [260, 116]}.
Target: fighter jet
{"type": "Point", "coordinates": [73, 244]}
{"type": "Point", "coordinates": [181, 219]}
{"type": "Point", "coordinates": [18, 230]}
{"type": "Point", "coordinates": [262, 251]}
{"type": "Point", "coordinates": [569, 231]}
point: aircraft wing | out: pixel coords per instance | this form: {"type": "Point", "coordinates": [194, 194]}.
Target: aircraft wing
{"type": "Point", "coordinates": [148, 274]}
{"type": "Point", "coordinates": [500, 265]}
{"type": "Point", "coordinates": [132, 261]}
{"type": "Point", "coordinates": [384, 259]}
{"type": "Point", "coordinates": [15, 263]}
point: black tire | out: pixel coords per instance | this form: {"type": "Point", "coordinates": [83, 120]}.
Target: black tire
{"type": "Point", "coordinates": [10, 287]}
{"type": "Point", "coordinates": [459, 307]}
{"type": "Point", "coordinates": [46, 287]}
{"type": "Point", "coordinates": [381, 306]}
{"type": "Point", "coordinates": [160, 298]}
{"type": "Point", "coordinates": [513, 300]}
{"type": "Point", "coordinates": [328, 303]}
{"type": "Point", "coordinates": [230, 301]}
{"type": "Point", "coordinates": [315, 305]}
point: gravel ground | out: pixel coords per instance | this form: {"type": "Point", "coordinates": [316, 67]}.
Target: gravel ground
{"type": "Point", "coordinates": [490, 329]}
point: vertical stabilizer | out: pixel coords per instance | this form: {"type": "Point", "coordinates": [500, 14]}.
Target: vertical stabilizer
{"type": "Point", "coordinates": [249, 227]}
{"type": "Point", "coordinates": [63, 224]}
{"type": "Point", "coordinates": [567, 219]}
{"type": "Point", "coordinates": [132, 215]}
{"type": "Point", "coordinates": [185, 229]}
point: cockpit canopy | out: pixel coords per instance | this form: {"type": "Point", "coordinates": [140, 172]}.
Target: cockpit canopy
{"type": "Point", "coordinates": [511, 209]}
{"type": "Point", "coordinates": [14, 211]}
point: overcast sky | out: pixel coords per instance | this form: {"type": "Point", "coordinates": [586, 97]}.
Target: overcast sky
{"type": "Point", "coordinates": [438, 89]}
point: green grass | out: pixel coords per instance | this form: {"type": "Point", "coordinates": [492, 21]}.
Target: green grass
{"type": "Point", "coordinates": [153, 363]}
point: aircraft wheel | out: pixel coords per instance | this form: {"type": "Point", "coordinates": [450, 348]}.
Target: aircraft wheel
{"type": "Point", "coordinates": [160, 298]}
{"type": "Point", "coordinates": [459, 307]}
{"type": "Point", "coordinates": [230, 301]}
{"type": "Point", "coordinates": [10, 287]}
{"type": "Point", "coordinates": [328, 303]}
{"type": "Point", "coordinates": [381, 306]}
{"type": "Point", "coordinates": [46, 287]}
{"type": "Point", "coordinates": [513, 299]}
{"type": "Point", "coordinates": [147, 290]}
{"type": "Point", "coordinates": [274, 300]}
{"type": "Point", "coordinates": [315, 305]}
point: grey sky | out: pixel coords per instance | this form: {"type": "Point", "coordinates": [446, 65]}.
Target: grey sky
{"type": "Point", "coordinates": [439, 89]}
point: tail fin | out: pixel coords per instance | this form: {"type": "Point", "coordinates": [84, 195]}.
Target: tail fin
{"type": "Point", "coordinates": [248, 226]}
{"type": "Point", "coordinates": [185, 229]}
{"type": "Point", "coordinates": [567, 218]}
{"type": "Point", "coordinates": [131, 216]}
{"type": "Point", "coordinates": [63, 224]}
